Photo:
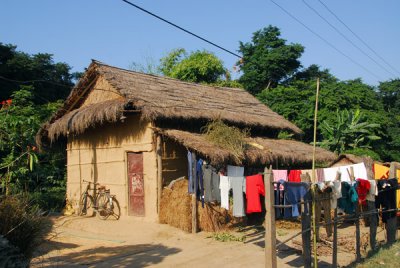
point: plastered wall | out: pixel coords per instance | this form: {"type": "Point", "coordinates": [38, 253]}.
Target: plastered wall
{"type": "Point", "coordinates": [100, 155]}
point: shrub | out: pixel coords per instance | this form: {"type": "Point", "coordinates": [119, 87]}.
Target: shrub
{"type": "Point", "coordinates": [22, 224]}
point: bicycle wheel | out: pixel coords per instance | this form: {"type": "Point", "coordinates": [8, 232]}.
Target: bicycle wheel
{"type": "Point", "coordinates": [103, 206]}
{"type": "Point", "coordinates": [88, 209]}
{"type": "Point", "coordinates": [116, 210]}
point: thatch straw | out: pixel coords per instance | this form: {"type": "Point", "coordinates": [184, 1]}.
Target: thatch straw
{"type": "Point", "coordinates": [261, 151]}
{"type": "Point", "coordinates": [176, 210]}
{"type": "Point", "coordinates": [231, 138]}
{"type": "Point", "coordinates": [175, 206]}
{"type": "Point", "coordinates": [77, 121]}
{"type": "Point", "coordinates": [160, 97]}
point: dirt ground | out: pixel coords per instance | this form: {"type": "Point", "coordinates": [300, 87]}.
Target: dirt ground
{"type": "Point", "coordinates": [129, 242]}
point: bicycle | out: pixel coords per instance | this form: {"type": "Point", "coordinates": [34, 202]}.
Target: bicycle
{"type": "Point", "coordinates": [103, 203]}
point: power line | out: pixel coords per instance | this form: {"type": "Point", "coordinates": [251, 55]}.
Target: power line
{"type": "Point", "coordinates": [358, 37]}
{"type": "Point", "coordinates": [346, 38]}
{"type": "Point", "coordinates": [182, 29]}
{"type": "Point", "coordinates": [325, 41]}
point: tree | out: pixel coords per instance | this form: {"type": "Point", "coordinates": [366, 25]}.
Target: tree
{"type": "Point", "coordinates": [350, 131]}
{"type": "Point", "coordinates": [389, 93]}
{"type": "Point", "coordinates": [198, 66]}
{"type": "Point", "coordinates": [51, 81]}
{"type": "Point", "coordinates": [267, 60]}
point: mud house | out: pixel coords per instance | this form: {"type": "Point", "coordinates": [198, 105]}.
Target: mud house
{"type": "Point", "coordinates": [131, 131]}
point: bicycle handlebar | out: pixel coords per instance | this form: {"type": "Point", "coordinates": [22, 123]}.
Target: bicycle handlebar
{"type": "Point", "coordinates": [91, 182]}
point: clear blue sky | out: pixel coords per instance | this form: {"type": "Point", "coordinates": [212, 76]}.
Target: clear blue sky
{"type": "Point", "coordinates": [75, 31]}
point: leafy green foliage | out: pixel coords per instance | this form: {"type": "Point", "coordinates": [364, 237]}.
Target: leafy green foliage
{"type": "Point", "coordinates": [227, 237]}
{"type": "Point", "coordinates": [349, 132]}
{"type": "Point", "coordinates": [51, 81]}
{"type": "Point", "coordinates": [19, 162]}
{"type": "Point", "coordinates": [198, 66]}
{"type": "Point", "coordinates": [267, 59]}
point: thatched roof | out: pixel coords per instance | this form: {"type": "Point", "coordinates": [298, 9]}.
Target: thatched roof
{"type": "Point", "coordinates": [259, 151]}
{"type": "Point", "coordinates": [160, 97]}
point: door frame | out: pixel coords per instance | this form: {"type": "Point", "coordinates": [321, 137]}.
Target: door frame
{"type": "Point", "coordinates": [127, 182]}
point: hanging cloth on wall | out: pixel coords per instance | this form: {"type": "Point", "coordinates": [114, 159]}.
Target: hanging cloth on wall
{"type": "Point", "coordinates": [330, 173]}
{"type": "Point", "coordinates": [238, 185]}
{"type": "Point", "coordinates": [235, 171]}
{"type": "Point", "coordinates": [363, 187]}
{"type": "Point", "coordinates": [294, 175]}
{"type": "Point", "coordinates": [336, 186]}
{"type": "Point", "coordinates": [191, 157]}
{"type": "Point", "coordinates": [373, 191]}
{"type": "Point", "coordinates": [349, 197]}
{"type": "Point", "coordinates": [323, 202]}
{"type": "Point", "coordinates": [280, 174]}
{"type": "Point", "coordinates": [211, 184]}
{"type": "Point", "coordinates": [381, 172]}
{"type": "Point", "coordinates": [199, 180]}
{"type": "Point", "coordinates": [320, 174]}
{"type": "Point", "coordinates": [387, 198]}
{"type": "Point", "coordinates": [294, 193]}
{"type": "Point", "coordinates": [224, 186]}
{"type": "Point", "coordinates": [254, 188]}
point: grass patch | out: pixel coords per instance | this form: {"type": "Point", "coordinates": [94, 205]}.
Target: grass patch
{"type": "Point", "coordinates": [227, 237]}
{"type": "Point", "coordinates": [385, 256]}
{"type": "Point", "coordinates": [281, 232]}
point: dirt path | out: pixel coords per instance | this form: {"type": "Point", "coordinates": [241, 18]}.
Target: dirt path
{"type": "Point", "coordinates": [90, 242]}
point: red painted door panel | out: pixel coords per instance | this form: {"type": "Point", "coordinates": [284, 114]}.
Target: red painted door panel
{"type": "Point", "coordinates": [135, 184]}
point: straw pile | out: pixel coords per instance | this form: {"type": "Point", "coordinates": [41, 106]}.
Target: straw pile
{"type": "Point", "coordinates": [175, 206]}
{"type": "Point", "coordinates": [176, 210]}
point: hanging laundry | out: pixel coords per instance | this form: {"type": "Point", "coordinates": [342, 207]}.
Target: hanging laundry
{"type": "Point", "coordinates": [387, 198]}
{"type": "Point", "coordinates": [238, 185]}
{"type": "Point", "coordinates": [320, 174]}
{"type": "Point", "coordinates": [309, 173]}
{"type": "Point", "coordinates": [254, 188]}
{"type": "Point", "coordinates": [330, 173]}
{"type": "Point", "coordinates": [280, 174]}
{"type": "Point", "coordinates": [336, 186]}
{"type": "Point", "coordinates": [191, 172]}
{"type": "Point", "coordinates": [294, 175]}
{"type": "Point", "coordinates": [381, 172]}
{"type": "Point", "coordinates": [235, 171]}
{"type": "Point", "coordinates": [363, 187]}
{"type": "Point", "coordinates": [323, 202]}
{"type": "Point", "coordinates": [373, 191]}
{"type": "Point", "coordinates": [279, 194]}
{"type": "Point", "coordinates": [199, 180]}
{"type": "Point", "coordinates": [349, 197]}
{"type": "Point", "coordinates": [294, 193]}
{"type": "Point", "coordinates": [211, 184]}
{"type": "Point", "coordinates": [224, 186]}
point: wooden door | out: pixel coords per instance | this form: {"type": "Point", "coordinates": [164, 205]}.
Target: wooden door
{"type": "Point", "coordinates": [135, 184]}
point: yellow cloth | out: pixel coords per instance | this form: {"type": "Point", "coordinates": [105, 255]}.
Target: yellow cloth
{"type": "Point", "coordinates": [381, 172]}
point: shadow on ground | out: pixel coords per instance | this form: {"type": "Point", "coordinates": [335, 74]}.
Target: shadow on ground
{"type": "Point", "coordinates": [255, 235]}
{"type": "Point", "coordinates": [123, 256]}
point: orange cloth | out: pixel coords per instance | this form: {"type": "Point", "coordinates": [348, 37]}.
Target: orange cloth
{"type": "Point", "coordinates": [381, 172]}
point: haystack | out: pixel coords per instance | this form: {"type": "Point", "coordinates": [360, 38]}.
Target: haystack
{"type": "Point", "coordinates": [176, 210]}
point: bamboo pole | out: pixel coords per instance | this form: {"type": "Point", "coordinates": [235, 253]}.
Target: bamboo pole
{"type": "Point", "coordinates": [313, 178]}
{"type": "Point", "coordinates": [159, 172]}
{"type": "Point", "coordinates": [270, 231]}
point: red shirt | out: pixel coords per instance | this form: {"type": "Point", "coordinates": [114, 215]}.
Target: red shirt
{"type": "Point", "coordinates": [363, 187]}
{"type": "Point", "coordinates": [254, 187]}
{"type": "Point", "coordinates": [294, 175]}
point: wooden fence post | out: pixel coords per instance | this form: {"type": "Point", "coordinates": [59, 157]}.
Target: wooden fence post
{"type": "Point", "coordinates": [306, 235]}
{"type": "Point", "coordinates": [335, 225]}
{"type": "Point", "coordinates": [373, 224]}
{"type": "Point", "coordinates": [270, 231]}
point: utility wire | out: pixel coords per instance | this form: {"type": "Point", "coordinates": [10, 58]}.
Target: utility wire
{"type": "Point", "coordinates": [325, 41]}
{"type": "Point", "coordinates": [346, 38]}
{"type": "Point", "coordinates": [182, 29]}
{"type": "Point", "coordinates": [358, 37]}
